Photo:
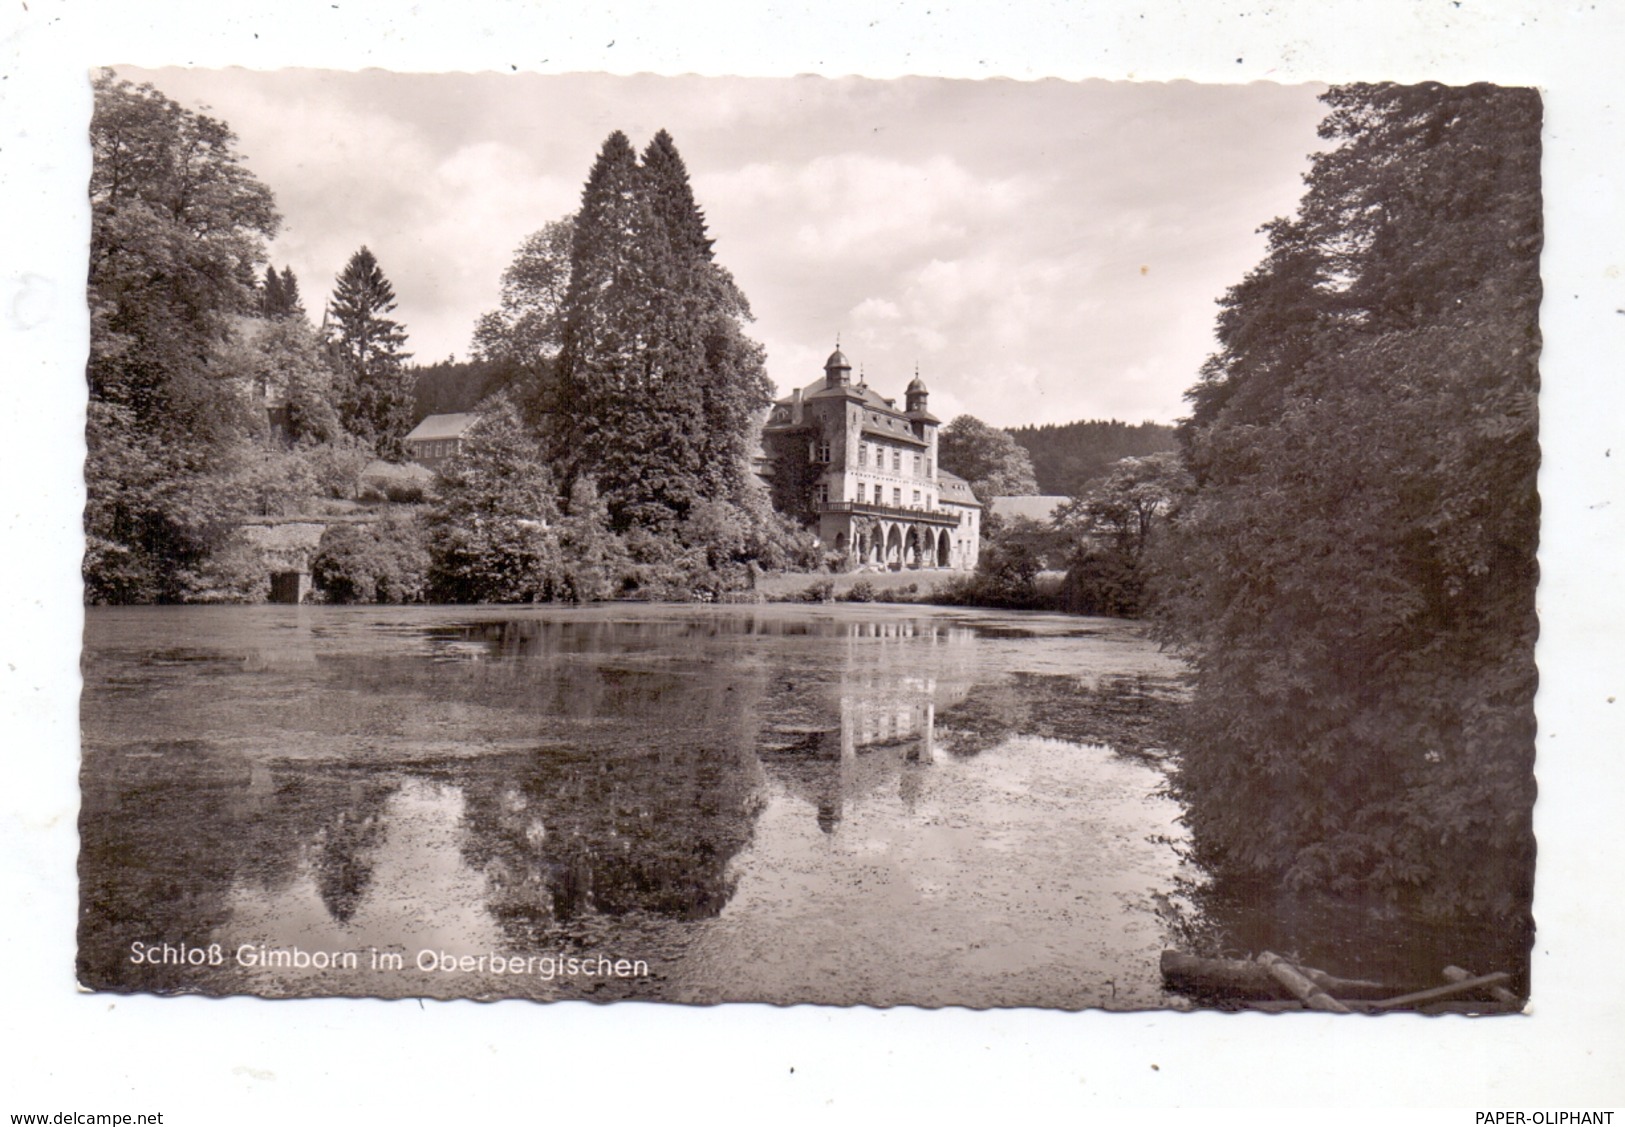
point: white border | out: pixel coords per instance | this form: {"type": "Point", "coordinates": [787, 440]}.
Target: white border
{"type": "Point", "coordinates": [250, 1062]}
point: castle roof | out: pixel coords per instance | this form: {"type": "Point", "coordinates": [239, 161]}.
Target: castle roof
{"type": "Point", "coordinates": [955, 490]}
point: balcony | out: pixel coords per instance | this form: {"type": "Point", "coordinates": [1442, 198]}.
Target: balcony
{"type": "Point", "coordinates": [889, 512]}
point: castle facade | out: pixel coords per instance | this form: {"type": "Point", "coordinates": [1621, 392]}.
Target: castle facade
{"type": "Point", "coordinates": [868, 474]}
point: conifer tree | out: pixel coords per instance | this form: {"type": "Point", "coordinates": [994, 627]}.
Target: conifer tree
{"type": "Point", "coordinates": [731, 382]}
{"type": "Point", "coordinates": [279, 294]}
{"type": "Point", "coordinates": [628, 413]}
{"type": "Point", "coordinates": [290, 293]}
{"type": "Point", "coordinates": [271, 294]}
{"type": "Point", "coordinates": [375, 399]}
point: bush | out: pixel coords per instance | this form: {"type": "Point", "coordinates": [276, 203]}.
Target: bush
{"type": "Point", "coordinates": [862, 592]}
{"type": "Point", "coordinates": [235, 572]}
{"type": "Point", "coordinates": [384, 562]}
{"type": "Point", "coordinates": [1103, 583]}
{"type": "Point", "coordinates": [822, 591]}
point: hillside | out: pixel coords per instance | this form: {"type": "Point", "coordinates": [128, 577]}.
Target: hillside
{"type": "Point", "coordinates": [450, 386]}
{"type": "Point", "coordinates": [1068, 457]}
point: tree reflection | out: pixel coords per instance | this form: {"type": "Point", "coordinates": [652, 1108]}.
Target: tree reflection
{"type": "Point", "coordinates": [344, 850]}
{"type": "Point", "coordinates": [641, 814]}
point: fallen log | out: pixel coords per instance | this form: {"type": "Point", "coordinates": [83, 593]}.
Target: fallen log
{"type": "Point", "coordinates": [1300, 984]}
{"type": "Point", "coordinates": [1247, 979]}
{"type": "Point", "coordinates": [1438, 993]}
{"type": "Point", "coordinates": [1499, 993]}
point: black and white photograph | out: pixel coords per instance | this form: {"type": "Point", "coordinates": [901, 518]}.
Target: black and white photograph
{"type": "Point", "coordinates": [862, 542]}
{"type": "Point", "coordinates": [822, 561]}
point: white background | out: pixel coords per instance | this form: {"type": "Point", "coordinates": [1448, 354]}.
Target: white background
{"type": "Point", "coordinates": [247, 1061]}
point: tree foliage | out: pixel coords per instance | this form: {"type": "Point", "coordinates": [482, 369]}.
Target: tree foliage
{"type": "Point", "coordinates": [177, 230]}
{"type": "Point", "coordinates": [1111, 529]}
{"type": "Point", "coordinates": [376, 399]}
{"type": "Point", "coordinates": [1354, 573]}
{"type": "Point", "coordinates": [657, 390]}
{"type": "Point", "coordinates": [279, 294]}
{"type": "Point", "coordinates": [529, 323]}
{"type": "Point", "coordinates": [382, 563]}
{"type": "Point", "coordinates": [986, 457]}
{"type": "Point", "coordinates": [490, 534]}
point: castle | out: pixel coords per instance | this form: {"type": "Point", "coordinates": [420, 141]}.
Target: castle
{"type": "Point", "coordinates": [869, 474]}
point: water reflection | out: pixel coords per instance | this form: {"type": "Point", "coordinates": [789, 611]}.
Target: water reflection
{"type": "Point", "coordinates": [537, 783]}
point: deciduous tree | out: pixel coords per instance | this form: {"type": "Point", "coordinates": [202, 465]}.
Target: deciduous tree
{"type": "Point", "coordinates": [490, 532]}
{"type": "Point", "coordinates": [1354, 575]}
{"type": "Point", "coordinates": [177, 231]}
{"type": "Point", "coordinates": [986, 457]}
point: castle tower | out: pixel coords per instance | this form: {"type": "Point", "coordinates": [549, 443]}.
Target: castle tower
{"type": "Point", "coordinates": [837, 372]}
{"type": "Point", "coordinates": [916, 394]}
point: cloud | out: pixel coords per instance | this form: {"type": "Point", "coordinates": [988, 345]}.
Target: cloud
{"type": "Point", "coordinates": [852, 206]}
{"type": "Point", "coordinates": [1046, 251]}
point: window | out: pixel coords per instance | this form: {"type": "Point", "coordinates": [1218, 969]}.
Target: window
{"type": "Point", "coordinates": [823, 491]}
{"type": "Point", "coordinates": [861, 488]}
{"type": "Point", "coordinates": [821, 453]}
{"type": "Point", "coordinates": [928, 467]}
{"type": "Point", "coordinates": [916, 465]}
{"type": "Point", "coordinates": [896, 461]}
{"type": "Point", "coordinates": [897, 496]}
{"type": "Point", "coordinates": [863, 453]}
{"type": "Point", "coordinates": [916, 498]}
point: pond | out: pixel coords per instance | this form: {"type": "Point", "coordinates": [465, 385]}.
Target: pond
{"type": "Point", "coordinates": [787, 804]}
{"type": "Point", "coordinates": [838, 804]}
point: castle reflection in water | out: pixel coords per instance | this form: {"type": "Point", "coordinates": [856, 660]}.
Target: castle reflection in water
{"type": "Point", "coordinates": [878, 730]}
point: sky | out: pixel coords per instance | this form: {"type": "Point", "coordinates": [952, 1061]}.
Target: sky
{"type": "Point", "coordinates": [1041, 251]}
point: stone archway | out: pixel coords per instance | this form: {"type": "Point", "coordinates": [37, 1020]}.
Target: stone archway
{"type": "Point", "coordinates": [912, 547]}
{"type": "Point", "coordinates": [894, 546]}
{"type": "Point", "coordinates": [945, 549]}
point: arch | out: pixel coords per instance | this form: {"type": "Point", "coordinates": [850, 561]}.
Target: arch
{"type": "Point", "coordinates": [945, 549]}
{"type": "Point", "coordinates": [911, 547]}
{"type": "Point", "coordinates": [840, 542]}
{"type": "Point", "coordinates": [894, 546]}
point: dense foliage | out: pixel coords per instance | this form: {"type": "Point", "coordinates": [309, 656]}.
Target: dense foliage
{"type": "Point", "coordinates": [986, 457]}
{"type": "Point", "coordinates": [521, 338]}
{"type": "Point", "coordinates": [177, 229]}
{"type": "Point", "coordinates": [1068, 459]}
{"type": "Point", "coordinates": [490, 534]}
{"type": "Point", "coordinates": [1354, 573]}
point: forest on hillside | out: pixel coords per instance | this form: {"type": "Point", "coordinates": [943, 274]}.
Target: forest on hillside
{"type": "Point", "coordinates": [1068, 458]}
